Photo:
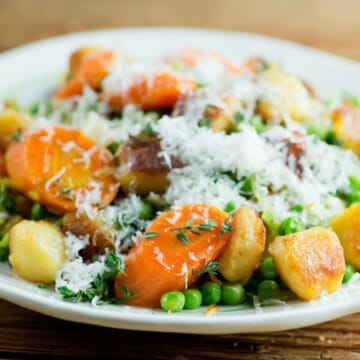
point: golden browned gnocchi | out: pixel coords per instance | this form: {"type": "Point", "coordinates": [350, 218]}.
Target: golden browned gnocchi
{"type": "Point", "coordinates": [37, 250]}
{"type": "Point", "coordinates": [309, 261]}
{"type": "Point", "coordinates": [99, 233]}
{"type": "Point", "coordinates": [12, 121]}
{"type": "Point", "coordinates": [141, 168]}
{"type": "Point", "coordinates": [347, 228]}
{"type": "Point", "coordinates": [346, 126]}
{"type": "Point", "coordinates": [290, 95]}
{"type": "Point", "coordinates": [244, 251]}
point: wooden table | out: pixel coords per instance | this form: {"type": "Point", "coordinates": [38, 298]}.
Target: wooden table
{"type": "Point", "coordinates": [331, 25]}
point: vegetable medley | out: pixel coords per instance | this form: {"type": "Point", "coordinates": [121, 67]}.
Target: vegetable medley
{"type": "Point", "coordinates": [183, 181]}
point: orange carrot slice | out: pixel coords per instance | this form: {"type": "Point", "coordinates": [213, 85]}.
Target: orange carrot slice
{"type": "Point", "coordinates": [162, 92]}
{"type": "Point", "coordinates": [89, 73]}
{"type": "Point", "coordinates": [160, 262]}
{"type": "Point", "coordinates": [61, 168]}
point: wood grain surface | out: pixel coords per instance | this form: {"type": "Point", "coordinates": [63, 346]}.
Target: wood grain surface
{"type": "Point", "coordinates": [331, 25]}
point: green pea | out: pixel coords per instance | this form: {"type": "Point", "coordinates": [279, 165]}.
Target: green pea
{"type": "Point", "coordinates": [317, 130]}
{"type": "Point", "coordinates": [253, 283]}
{"type": "Point", "coordinates": [173, 301]}
{"type": "Point", "coordinates": [257, 122]}
{"type": "Point", "coordinates": [147, 211]}
{"type": "Point", "coordinates": [230, 206]}
{"type": "Point", "coordinates": [290, 225]}
{"type": "Point", "coordinates": [355, 182]}
{"type": "Point", "coordinates": [193, 299]}
{"type": "Point", "coordinates": [211, 293]}
{"type": "Point", "coordinates": [38, 212]}
{"type": "Point", "coordinates": [267, 269]}
{"type": "Point", "coordinates": [248, 185]}
{"type": "Point", "coordinates": [349, 272]}
{"type": "Point", "coordinates": [297, 208]}
{"type": "Point", "coordinates": [153, 116]}
{"type": "Point", "coordinates": [332, 139]}
{"type": "Point", "coordinates": [268, 289]}
{"type": "Point", "coordinates": [354, 197]}
{"type": "Point", "coordinates": [232, 294]}
{"type": "Point", "coordinates": [38, 107]}
{"type": "Point", "coordinates": [282, 284]}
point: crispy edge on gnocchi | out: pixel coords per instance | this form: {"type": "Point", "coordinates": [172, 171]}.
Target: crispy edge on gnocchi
{"type": "Point", "coordinates": [347, 126]}
{"type": "Point", "coordinates": [99, 233]}
{"type": "Point", "coordinates": [309, 261]}
{"type": "Point", "coordinates": [347, 227]}
{"type": "Point", "coordinates": [141, 169]}
{"type": "Point", "coordinates": [37, 250]}
{"type": "Point", "coordinates": [243, 253]}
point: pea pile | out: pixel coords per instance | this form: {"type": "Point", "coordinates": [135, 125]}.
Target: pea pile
{"type": "Point", "coordinates": [266, 284]}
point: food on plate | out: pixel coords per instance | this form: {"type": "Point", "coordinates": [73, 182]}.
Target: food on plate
{"type": "Point", "coordinates": [181, 181]}
{"type": "Point", "coordinates": [347, 227]}
{"type": "Point", "coordinates": [37, 250]}
{"type": "Point", "coordinates": [244, 251]}
{"type": "Point", "coordinates": [309, 261]}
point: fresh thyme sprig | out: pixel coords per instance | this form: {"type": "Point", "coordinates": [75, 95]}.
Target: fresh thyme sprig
{"type": "Point", "coordinates": [226, 227]}
{"type": "Point", "coordinates": [211, 267]}
{"type": "Point", "coordinates": [181, 234]}
{"type": "Point", "coordinates": [102, 286]}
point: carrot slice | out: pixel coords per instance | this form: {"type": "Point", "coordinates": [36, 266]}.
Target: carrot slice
{"type": "Point", "coordinates": [89, 73]}
{"type": "Point", "coordinates": [164, 263]}
{"type": "Point", "coordinates": [61, 168]}
{"type": "Point", "coordinates": [162, 92]}
{"type": "Point", "coordinates": [190, 58]}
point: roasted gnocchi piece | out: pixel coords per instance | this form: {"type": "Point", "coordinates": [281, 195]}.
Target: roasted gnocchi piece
{"type": "Point", "coordinates": [141, 169]}
{"type": "Point", "coordinates": [37, 250]}
{"type": "Point", "coordinates": [99, 233]}
{"type": "Point", "coordinates": [243, 253]}
{"type": "Point", "coordinates": [289, 95]}
{"type": "Point", "coordinates": [12, 122]}
{"type": "Point", "coordinates": [347, 228]}
{"type": "Point", "coordinates": [347, 126]}
{"type": "Point", "coordinates": [309, 261]}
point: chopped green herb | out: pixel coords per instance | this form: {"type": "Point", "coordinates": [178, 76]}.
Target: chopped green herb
{"type": "Point", "coordinates": [151, 235]}
{"type": "Point", "coordinates": [42, 286]}
{"type": "Point", "coordinates": [17, 135]}
{"type": "Point", "coordinates": [100, 203]}
{"type": "Point", "coordinates": [113, 147]}
{"type": "Point", "coordinates": [102, 286]}
{"type": "Point", "coordinates": [226, 227]}
{"type": "Point", "coordinates": [205, 122]}
{"type": "Point", "coordinates": [181, 235]}
{"type": "Point", "coordinates": [211, 267]}
{"type": "Point", "coordinates": [202, 85]}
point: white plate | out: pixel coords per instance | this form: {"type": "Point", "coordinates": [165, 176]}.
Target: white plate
{"type": "Point", "coordinates": [31, 72]}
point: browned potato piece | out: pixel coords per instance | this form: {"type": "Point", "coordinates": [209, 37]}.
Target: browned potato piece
{"type": "Point", "coordinates": [291, 96]}
{"type": "Point", "coordinates": [100, 235]}
{"type": "Point", "coordinates": [309, 261]}
{"type": "Point", "coordinates": [12, 121]}
{"type": "Point", "coordinates": [347, 228]}
{"type": "Point", "coordinates": [346, 126]}
{"type": "Point", "coordinates": [37, 250]}
{"type": "Point", "coordinates": [218, 118]}
{"type": "Point", "coordinates": [141, 169]}
{"type": "Point", "coordinates": [243, 252]}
